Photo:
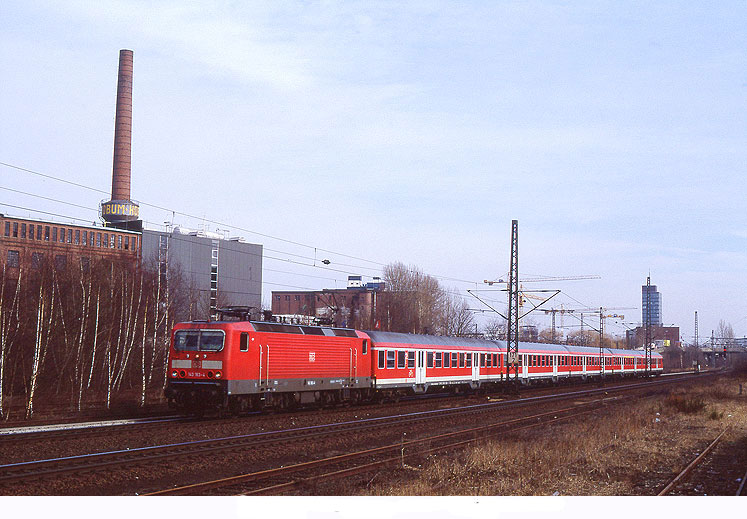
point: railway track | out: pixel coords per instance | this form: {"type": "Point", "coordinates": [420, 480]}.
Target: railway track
{"type": "Point", "coordinates": [123, 460]}
{"type": "Point", "coordinates": [280, 479]}
{"type": "Point", "coordinates": [697, 477]}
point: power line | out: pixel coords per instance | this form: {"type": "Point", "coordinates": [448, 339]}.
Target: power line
{"type": "Point", "coordinates": [220, 224]}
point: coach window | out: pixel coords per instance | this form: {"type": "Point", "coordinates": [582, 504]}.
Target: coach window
{"type": "Point", "coordinates": [488, 361]}
{"type": "Point", "coordinates": [410, 359]}
{"type": "Point", "coordinates": [438, 359]}
{"type": "Point", "coordinates": [447, 357]}
{"type": "Point", "coordinates": [244, 341]}
{"type": "Point", "coordinates": [365, 346]}
{"type": "Point", "coordinates": [401, 359]}
{"type": "Point", "coordinates": [429, 359]}
{"type": "Point", "coordinates": [382, 359]}
{"type": "Point", "coordinates": [469, 360]}
{"type": "Point", "coordinates": [461, 360]}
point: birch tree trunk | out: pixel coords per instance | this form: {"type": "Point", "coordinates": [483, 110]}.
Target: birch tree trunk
{"type": "Point", "coordinates": [6, 319]}
{"type": "Point", "coordinates": [37, 353]}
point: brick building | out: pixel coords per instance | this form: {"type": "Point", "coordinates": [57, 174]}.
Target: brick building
{"type": "Point", "coordinates": [354, 306]}
{"type": "Point", "coordinates": [661, 336]}
{"type": "Point", "coordinates": [29, 243]}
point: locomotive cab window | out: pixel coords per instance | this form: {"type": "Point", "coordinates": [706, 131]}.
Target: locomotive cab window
{"type": "Point", "coordinates": [244, 342]}
{"type": "Point", "coordinates": [365, 346]}
{"type": "Point", "coordinates": [199, 340]}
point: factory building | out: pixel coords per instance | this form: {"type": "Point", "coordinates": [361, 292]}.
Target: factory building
{"type": "Point", "coordinates": [214, 269]}
{"type": "Point", "coordinates": [218, 271]}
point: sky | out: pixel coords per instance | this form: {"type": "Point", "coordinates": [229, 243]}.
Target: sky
{"type": "Point", "coordinates": [372, 132]}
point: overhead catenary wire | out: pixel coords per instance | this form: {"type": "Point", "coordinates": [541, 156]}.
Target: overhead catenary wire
{"type": "Point", "coordinates": [221, 224]}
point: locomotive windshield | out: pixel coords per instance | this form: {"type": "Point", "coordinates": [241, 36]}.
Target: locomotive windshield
{"type": "Point", "coordinates": [199, 340]}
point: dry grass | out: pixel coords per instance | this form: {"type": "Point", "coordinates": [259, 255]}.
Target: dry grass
{"type": "Point", "coordinates": [612, 453]}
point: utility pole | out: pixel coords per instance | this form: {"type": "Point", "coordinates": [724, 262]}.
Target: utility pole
{"type": "Point", "coordinates": [648, 326]}
{"type": "Point", "coordinates": [512, 342]}
{"type": "Point", "coordinates": [553, 327]}
{"type": "Point", "coordinates": [601, 344]}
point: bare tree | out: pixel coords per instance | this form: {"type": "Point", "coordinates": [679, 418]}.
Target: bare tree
{"type": "Point", "coordinates": [457, 319]}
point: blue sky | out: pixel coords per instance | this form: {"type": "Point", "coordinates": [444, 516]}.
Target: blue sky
{"type": "Point", "coordinates": [614, 132]}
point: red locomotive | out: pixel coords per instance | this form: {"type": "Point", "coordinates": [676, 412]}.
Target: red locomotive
{"type": "Point", "coordinates": [247, 365]}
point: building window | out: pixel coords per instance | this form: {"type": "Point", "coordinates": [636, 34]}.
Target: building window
{"type": "Point", "coordinates": [70, 236]}
{"type": "Point", "coordinates": [15, 229]}
{"type": "Point", "coordinates": [60, 262]}
{"type": "Point", "coordinates": [7, 228]}
{"type": "Point", "coordinates": [91, 239]}
{"type": "Point", "coordinates": [83, 237]}
{"type": "Point", "coordinates": [39, 232]}
{"type": "Point", "coordinates": [127, 243]}
{"type": "Point", "coordinates": [46, 233]}
{"type": "Point", "coordinates": [77, 236]}
{"type": "Point", "coordinates": [111, 241]}
{"type": "Point", "coordinates": [277, 298]}
{"type": "Point", "coordinates": [54, 233]}
{"type": "Point", "coordinates": [62, 235]}
{"type": "Point", "coordinates": [14, 258]}
{"type": "Point", "coordinates": [119, 241]}
{"type": "Point", "coordinates": [98, 239]}
{"type": "Point", "coordinates": [23, 230]}
{"type": "Point", "coordinates": [85, 263]}
{"type": "Point", "coordinates": [287, 298]}
{"type": "Point", "coordinates": [297, 298]}
{"type": "Point", "coordinates": [31, 231]}
{"type": "Point", "coordinates": [37, 258]}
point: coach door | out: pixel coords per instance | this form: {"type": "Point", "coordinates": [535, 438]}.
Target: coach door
{"type": "Point", "coordinates": [420, 367]}
{"type": "Point", "coordinates": [475, 366]}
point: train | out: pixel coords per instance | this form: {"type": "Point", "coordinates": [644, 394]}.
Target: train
{"type": "Point", "coordinates": [236, 366]}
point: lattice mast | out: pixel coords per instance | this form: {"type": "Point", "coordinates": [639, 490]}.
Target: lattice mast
{"type": "Point", "coordinates": [512, 342]}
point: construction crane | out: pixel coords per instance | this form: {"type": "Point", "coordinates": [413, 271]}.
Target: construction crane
{"type": "Point", "coordinates": [537, 279]}
{"type": "Point", "coordinates": [601, 311]}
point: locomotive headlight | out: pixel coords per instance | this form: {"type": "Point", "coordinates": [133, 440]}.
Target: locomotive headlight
{"type": "Point", "coordinates": [217, 374]}
{"type": "Point", "coordinates": [174, 374]}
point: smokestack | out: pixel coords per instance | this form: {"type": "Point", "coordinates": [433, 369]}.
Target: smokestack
{"type": "Point", "coordinates": [120, 211]}
{"type": "Point", "coordinates": [123, 129]}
